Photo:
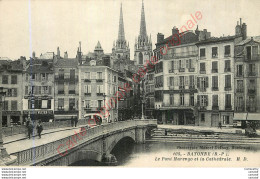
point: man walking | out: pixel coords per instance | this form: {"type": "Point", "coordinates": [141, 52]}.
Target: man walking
{"type": "Point", "coordinates": [76, 121]}
{"type": "Point", "coordinates": [39, 129]}
{"type": "Point", "coordinates": [30, 129]}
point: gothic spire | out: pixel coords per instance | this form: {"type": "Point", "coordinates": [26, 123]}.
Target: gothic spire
{"type": "Point", "coordinates": [121, 32]}
{"type": "Point", "coordinates": [143, 25]}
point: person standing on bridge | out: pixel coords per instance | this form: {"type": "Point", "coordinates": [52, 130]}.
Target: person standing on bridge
{"type": "Point", "coordinates": [30, 129]}
{"type": "Point", "coordinates": [39, 128]}
{"type": "Point", "coordinates": [76, 121]}
{"type": "Point", "coordinates": [72, 121]}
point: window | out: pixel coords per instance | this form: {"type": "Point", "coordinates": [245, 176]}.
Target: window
{"type": "Point", "coordinates": [202, 68]}
{"type": "Point", "coordinates": [191, 79]}
{"type": "Point", "coordinates": [114, 79]}
{"type": "Point", "coordinates": [171, 99]}
{"type": "Point", "coordinates": [99, 89]}
{"type": "Point", "coordinates": [181, 82]}
{"type": "Point", "coordinates": [87, 75]}
{"type": "Point", "coordinates": [192, 99]}
{"type": "Point", "coordinates": [44, 104]}
{"type": "Point", "coordinates": [12, 92]}
{"type": "Point", "coordinates": [44, 90]}
{"type": "Point", "coordinates": [60, 103]}
{"type": "Point", "coordinates": [251, 70]}
{"type": "Point", "coordinates": [43, 76]}
{"type": "Point", "coordinates": [60, 88]}
{"type": "Point", "coordinates": [239, 70]}
{"type": "Point", "coordinates": [225, 120]}
{"type": "Point", "coordinates": [33, 76]}
{"type": "Point", "coordinates": [240, 86]}
{"type": "Point", "coordinates": [61, 74]}
{"type": "Point", "coordinates": [202, 52]}
{"type": "Point", "coordinates": [202, 83]}
{"type": "Point", "coordinates": [14, 105]}
{"type": "Point", "coordinates": [171, 81]}
{"type": "Point", "coordinates": [227, 66]}
{"type": "Point", "coordinates": [240, 103]}
{"type": "Point", "coordinates": [214, 67]}
{"type": "Point", "coordinates": [202, 117]}
{"type": "Point", "coordinates": [214, 82]}
{"type": "Point", "coordinates": [5, 79]}
{"type": "Point", "coordinates": [5, 107]}
{"type": "Point", "coordinates": [88, 89]}
{"type": "Point", "coordinates": [252, 85]}
{"type": "Point", "coordinates": [72, 87]}
{"type": "Point", "coordinates": [100, 103]}
{"type": "Point", "coordinates": [248, 52]}
{"type": "Point", "coordinates": [214, 52]}
{"type": "Point", "coordinates": [228, 100]}
{"type": "Point", "coordinates": [204, 100]}
{"type": "Point", "coordinates": [99, 75]}
{"type": "Point", "coordinates": [72, 74]}
{"type": "Point", "coordinates": [181, 99]}
{"type": "Point", "coordinates": [87, 103]}
{"type": "Point", "coordinates": [227, 51]}
{"type": "Point", "coordinates": [214, 100]}
{"type": "Point", "coordinates": [72, 104]}
{"type": "Point", "coordinates": [14, 79]}
{"type": "Point", "coordinates": [228, 81]}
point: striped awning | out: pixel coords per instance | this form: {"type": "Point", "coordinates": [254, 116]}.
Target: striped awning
{"type": "Point", "coordinates": [247, 116]}
{"type": "Point", "coordinates": [240, 116]}
{"type": "Point", "coordinates": [253, 116]}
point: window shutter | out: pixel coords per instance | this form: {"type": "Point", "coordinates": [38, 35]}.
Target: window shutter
{"type": "Point", "coordinates": [168, 81]}
{"type": "Point", "coordinates": [186, 80]}
{"type": "Point", "coordinates": [192, 63]}
{"type": "Point", "coordinates": [198, 82]}
{"type": "Point", "coordinates": [175, 64]}
{"type": "Point", "coordinates": [50, 90]}
{"type": "Point", "coordinates": [91, 104]}
{"type": "Point", "coordinates": [101, 89]}
{"type": "Point", "coordinates": [169, 65]}
{"type": "Point", "coordinates": [207, 82]}
{"type": "Point", "coordinates": [187, 63]}
{"type": "Point", "coordinates": [206, 97]}
{"type": "Point", "coordinates": [40, 89]}
{"type": "Point", "coordinates": [89, 88]}
{"type": "Point", "coordinates": [198, 100]}
{"type": "Point", "coordinates": [85, 88]}
{"type": "Point", "coordinates": [46, 76]}
{"type": "Point", "coordinates": [183, 64]}
{"type": "Point", "coordinates": [36, 90]}
{"type": "Point", "coordinates": [172, 81]}
{"type": "Point", "coordinates": [26, 90]}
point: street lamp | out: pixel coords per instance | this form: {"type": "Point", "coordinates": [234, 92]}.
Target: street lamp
{"type": "Point", "coordinates": [104, 96]}
{"type": "Point", "coordinates": [5, 159]}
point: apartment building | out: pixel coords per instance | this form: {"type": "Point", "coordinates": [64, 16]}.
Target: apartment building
{"type": "Point", "coordinates": [11, 81]}
{"type": "Point", "coordinates": [97, 84]}
{"type": "Point", "coordinates": [247, 80]}
{"type": "Point", "coordinates": [175, 76]}
{"type": "Point", "coordinates": [38, 89]}
{"type": "Point", "coordinates": [215, 81]}
{"type": "Point", "coordinates": [66, 88]}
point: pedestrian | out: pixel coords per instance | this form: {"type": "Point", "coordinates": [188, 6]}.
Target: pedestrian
{"type": "Point", "coordinates": [30, 129]}
{"type": "Point", "coordinates": [39, 128]}
{"type": "Point", "coordinates": [72, 121]}
{"type": "Point", "coordinates": [220, 125]}
{"type": "Point", "coordinates": [76, 121]}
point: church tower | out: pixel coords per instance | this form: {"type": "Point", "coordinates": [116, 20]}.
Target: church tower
{"type": "Point", "coordinates": [143, 44]}
{"type": "Point", "coordinates": [121, 49]}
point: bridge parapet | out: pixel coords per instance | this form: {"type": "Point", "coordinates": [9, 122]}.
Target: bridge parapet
{"type": "Point", "coordinates": [46, 153]}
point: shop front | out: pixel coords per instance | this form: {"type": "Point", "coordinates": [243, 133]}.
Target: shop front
{"type": "Point", "coordinates": [11, 118]}
{"type": "Point", "coordinates": [43, 115]}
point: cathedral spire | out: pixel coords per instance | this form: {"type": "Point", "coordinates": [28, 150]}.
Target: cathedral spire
{"type": "Point", "coordinates": [143, 25]}
{"type": "Point", "coordinates": [121, 32]}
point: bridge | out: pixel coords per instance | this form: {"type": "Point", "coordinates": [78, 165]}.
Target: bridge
{"type": "Point", "coordinates": [65, 147]}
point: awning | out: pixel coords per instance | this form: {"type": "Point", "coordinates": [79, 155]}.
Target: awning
{"type": "Point", "coordinates": [247, 116]}
{"type": "Point", "coordinates": [240, 116]}
{"type": "Point", "coordinates": [253, 116]}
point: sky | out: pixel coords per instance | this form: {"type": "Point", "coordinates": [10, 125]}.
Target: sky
{"type": "Point", "coordinates": [43, 25]}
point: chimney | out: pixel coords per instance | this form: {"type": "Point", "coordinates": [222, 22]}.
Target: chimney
{"type": "Point", "coordinates": [240, 21]}
{"type": "Point", "coordinates": [66, 54]}
{"type": "Point", "coordinates": [33, 55]}
{"type": "Point", "coordinates": [175, 30]}
{"type": "Point", "coordinates": [244, 31]}
{"type": "Point", "coordinates": [238, 29]}
{"type": "Point", "coordinates": [58, 52]}
{"type": "Point", "coordinates": [160, 37]}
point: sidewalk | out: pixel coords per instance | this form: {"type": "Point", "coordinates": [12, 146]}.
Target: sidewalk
{"type": "Point", "coordinates": [204, 128]}
{"type": "Point", "coordinates": [18, 137]}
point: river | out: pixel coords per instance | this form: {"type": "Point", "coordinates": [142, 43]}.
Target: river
{"type": "Point", "coordinates": [172, 154]}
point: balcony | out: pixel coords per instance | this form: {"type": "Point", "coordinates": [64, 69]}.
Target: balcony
{"type": "Point", "coordinates": [228, 88]}
{"type": "Point", "coordinates": [202, 57]}
{"type": "Point", "coordinates": [87, 80]}
{"type": "Point", "coordinates": [60, 92]}
{"type": "Point", "coordinates": [252, 91]}
{"type": "Point", "coordinates": [214, 70]}
{"type": "Point", "coordinates": [65, 78]}
{"type": "Point", "coordinates": [180, 55]}
{"type": "Point", "coordinates": [252, 58]}
{"type": "Point", "coordinates": [171, 71]}
{"type": "Point", "coordinates": [251, 109]}
{"type": "Point", "coordinates": [240, 90]}
{"type": "Point", "coordinates": [227, 55]}
{"type": "Point", "coordinates": [227, 70]}
{"type": "Point", "coordinates": [181, 69]}
{"type": "Point", "coordinates": [202, 108]}
{"type": "Point", "coordinates": [251, 73]}
{"type": "Point", "coordinates": [214, 55]}
{"type": "Point", "coordinates": [99, 80]}
{"type": "Point", "coordinates": [239, 74]}
{"type": "Point", "coordinates": [228, 107]}
{"type": "Point", "coordinates": [181, 87]}
{"type": "Point", "coordinates": [100, 94]}
{"type": "Point", "coordinates": [202, 71]}
{"type": "Point", "coordinates": [192, 87]}
{"type": "Point", "coordinates": [215, 108]}
{"type": "Point", "coordinates": [87, 94]}
{"type": "Point", "coordinates": [240, 108]}
{"type": "Point", "coordinates": [72, 92]}
{"type": "Point", "coordinates": [214, 88]}
{"type": "Point", "coordinates": [191, 69]}
{"type": "Point", "coordinates": [202, 89]}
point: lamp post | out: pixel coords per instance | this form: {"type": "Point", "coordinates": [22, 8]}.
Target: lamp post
{"type": "Point", "coordinates": [5, 159]}
{"type": "Point", "coordinates": [104, 96]}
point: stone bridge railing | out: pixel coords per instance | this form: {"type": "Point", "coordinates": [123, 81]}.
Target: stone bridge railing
{"type": "Point", "coordinates": [36, 155]}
